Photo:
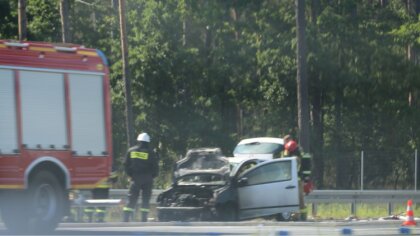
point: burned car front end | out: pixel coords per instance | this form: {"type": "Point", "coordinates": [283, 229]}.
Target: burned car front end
{"type": "Point", "coordinates": [197, 178]}
{"type": "Point", "coordinates": [190, 198]}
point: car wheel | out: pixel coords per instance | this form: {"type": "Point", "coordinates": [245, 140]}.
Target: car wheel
{"type": "Point", "coordinates": [162, 217]}
{"type": "Point", "coordinates": [229, 213]}
{"type": "Point", "coordinates": [284, 216]}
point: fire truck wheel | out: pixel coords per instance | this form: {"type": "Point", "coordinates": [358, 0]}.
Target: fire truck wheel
{"type": "Point", "coordinates": [36, 210]}
{"type": "Point", "coordinates": [46, 202]}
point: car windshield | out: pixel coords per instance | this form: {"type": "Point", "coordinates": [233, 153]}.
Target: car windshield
{"type": "Point", "coordinates": [195, 161]}
{"type": "Point", "coordinates": [205, 179]}
{"type": "Point", "coordinates": [258, 148]}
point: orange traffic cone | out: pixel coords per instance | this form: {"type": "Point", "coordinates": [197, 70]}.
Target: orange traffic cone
{"type": "Point", "coordinates": [409, 221]}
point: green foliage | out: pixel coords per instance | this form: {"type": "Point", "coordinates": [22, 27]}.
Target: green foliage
{"type": "Point", "coordinates": [8, 20]}
{"type": "Point", "coordinates": [43, 20]}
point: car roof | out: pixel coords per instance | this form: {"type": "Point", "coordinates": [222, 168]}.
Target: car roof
{"type": "Point", "coordinates": [262, 140]}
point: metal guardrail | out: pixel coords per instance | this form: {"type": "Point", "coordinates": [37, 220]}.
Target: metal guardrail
{"type": "Point", "coordinates": [353, 197]}
{"type": "Point", "coordinates": [362, 196]}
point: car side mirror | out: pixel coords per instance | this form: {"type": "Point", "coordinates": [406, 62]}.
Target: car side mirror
{"type": "Point", "coordinates": [242, 181]}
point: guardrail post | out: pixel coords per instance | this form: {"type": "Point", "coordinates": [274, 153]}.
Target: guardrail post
{"type": "Point", "coordinates": [314, 209]}
{"type": "Point", "coordinates": [390, 208]}
{"type": "Point", "coordinates": [415, 170]}
{"type": "Point", "coordinates": [353, 208]}
{"type": "Point", "coordinates": [361, 169]}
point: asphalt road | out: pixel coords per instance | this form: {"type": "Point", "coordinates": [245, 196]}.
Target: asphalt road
{"type": "Point", "coordinates": [235, 228]}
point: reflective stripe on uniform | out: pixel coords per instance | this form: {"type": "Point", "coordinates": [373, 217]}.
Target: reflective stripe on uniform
{"type": "Point", "coordinates": [88, 210]}
{"type": "Point", "coordinates": [139, 155]}
{"type": "Point", "coordinates": [128, 209]}
{"type": "Point", "coordinates": [100, 211]}
{"type": "Point", "coordinates": [306, 156]}
{"type": "Point", "coordinates": [144, 210]}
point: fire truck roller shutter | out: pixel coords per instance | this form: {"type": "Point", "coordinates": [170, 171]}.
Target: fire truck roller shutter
{"type": "Point", "coordinates": [8, 126]}
{"type": "Point", "coordinates": [43, 109]}
{"type": "Point", "coordinates": [87, 114]}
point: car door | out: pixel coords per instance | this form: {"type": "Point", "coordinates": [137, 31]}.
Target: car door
{"type": "Point", "coordinates": [268, 188]}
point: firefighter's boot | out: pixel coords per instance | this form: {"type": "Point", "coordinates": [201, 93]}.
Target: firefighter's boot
{"type": "Point", "coordinates": [89, 213]}
{"type": "Point", "coordinates": [144, 216]}
{"type": "Point", "coordinates": [90, 217]}
{"type": "Point", "coordinates": [100, 217]}
{"type": "Point", "coordinates": [128, 215]}
{"type": "Point", "coordinates": [303, 214]}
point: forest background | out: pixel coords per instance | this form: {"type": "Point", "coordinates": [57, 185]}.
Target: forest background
{"type": "Point", "coordinates": [210, 73]}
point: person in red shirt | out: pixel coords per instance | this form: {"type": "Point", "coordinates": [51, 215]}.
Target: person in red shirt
{"type": "Point", "coordinates": [291, 149]}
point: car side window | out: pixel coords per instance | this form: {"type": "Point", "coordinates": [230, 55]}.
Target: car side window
{"type": "Point", "coordinates": [273, 172]}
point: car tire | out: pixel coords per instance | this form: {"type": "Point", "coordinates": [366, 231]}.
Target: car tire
{"type": "Point", "coordinates": [284, 216]}
{"type": "Point", "coordinates": [229, 213]}
{"type": "Point", "coordinates": [163, 217]}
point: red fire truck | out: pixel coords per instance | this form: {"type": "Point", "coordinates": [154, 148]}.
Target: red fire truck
{"type": "Point", "coordinates": [55, 130]}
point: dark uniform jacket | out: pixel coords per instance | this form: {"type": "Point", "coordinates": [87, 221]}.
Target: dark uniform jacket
{"type": "Point", "coordinates": [141, 161]}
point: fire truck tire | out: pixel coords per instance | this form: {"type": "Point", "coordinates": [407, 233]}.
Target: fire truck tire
{"type": "Point", "coordinates": [38, 209]}
{"type": "Point", "coordinates": [47, 202]}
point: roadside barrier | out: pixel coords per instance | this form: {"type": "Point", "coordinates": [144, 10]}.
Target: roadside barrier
{"type": "Point", "coordinates": [354, 197]}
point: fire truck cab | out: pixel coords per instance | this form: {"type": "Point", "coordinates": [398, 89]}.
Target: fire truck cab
{"type": "Point", "coordinates": [55, 130]}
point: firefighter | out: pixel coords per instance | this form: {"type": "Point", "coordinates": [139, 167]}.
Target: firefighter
{"type": "Point", "coordinates": [291, 148]}
{"type": "Point", "coordinates": [141, 165]}
{"type": "Point", "coordinates": [100, 192]}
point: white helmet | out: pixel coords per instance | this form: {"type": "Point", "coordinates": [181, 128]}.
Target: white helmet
{"type": "Point", "coordinates": [144, 137]}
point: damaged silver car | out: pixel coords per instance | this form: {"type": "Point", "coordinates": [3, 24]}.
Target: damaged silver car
{"type": "Point", "coordinates": [205, 189]}
{"type": "Point", "coordinates": [196, 177]}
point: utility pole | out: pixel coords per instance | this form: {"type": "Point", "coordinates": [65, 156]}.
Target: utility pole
{"type": "Point", "coordinates": [22, 19]}
{"type": "Point", "coordinates": [65, 29]}
{"type": "Point", "coordinates": [302, 79]}
{"type": "Point", "coordinates": [126, 76]}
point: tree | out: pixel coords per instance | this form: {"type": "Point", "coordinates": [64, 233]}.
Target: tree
{"type": "Point", "coordinates": [64, 13]}
{"type": "Point", "coordinates": [22, 19]}
{"type": "Point", "coordinates": [126, 75]}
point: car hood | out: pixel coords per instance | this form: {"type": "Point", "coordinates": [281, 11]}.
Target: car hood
{"type": "Point", "coordinates": [202, 162]}
{"type": "Point", "coordinates": [183, 172]}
